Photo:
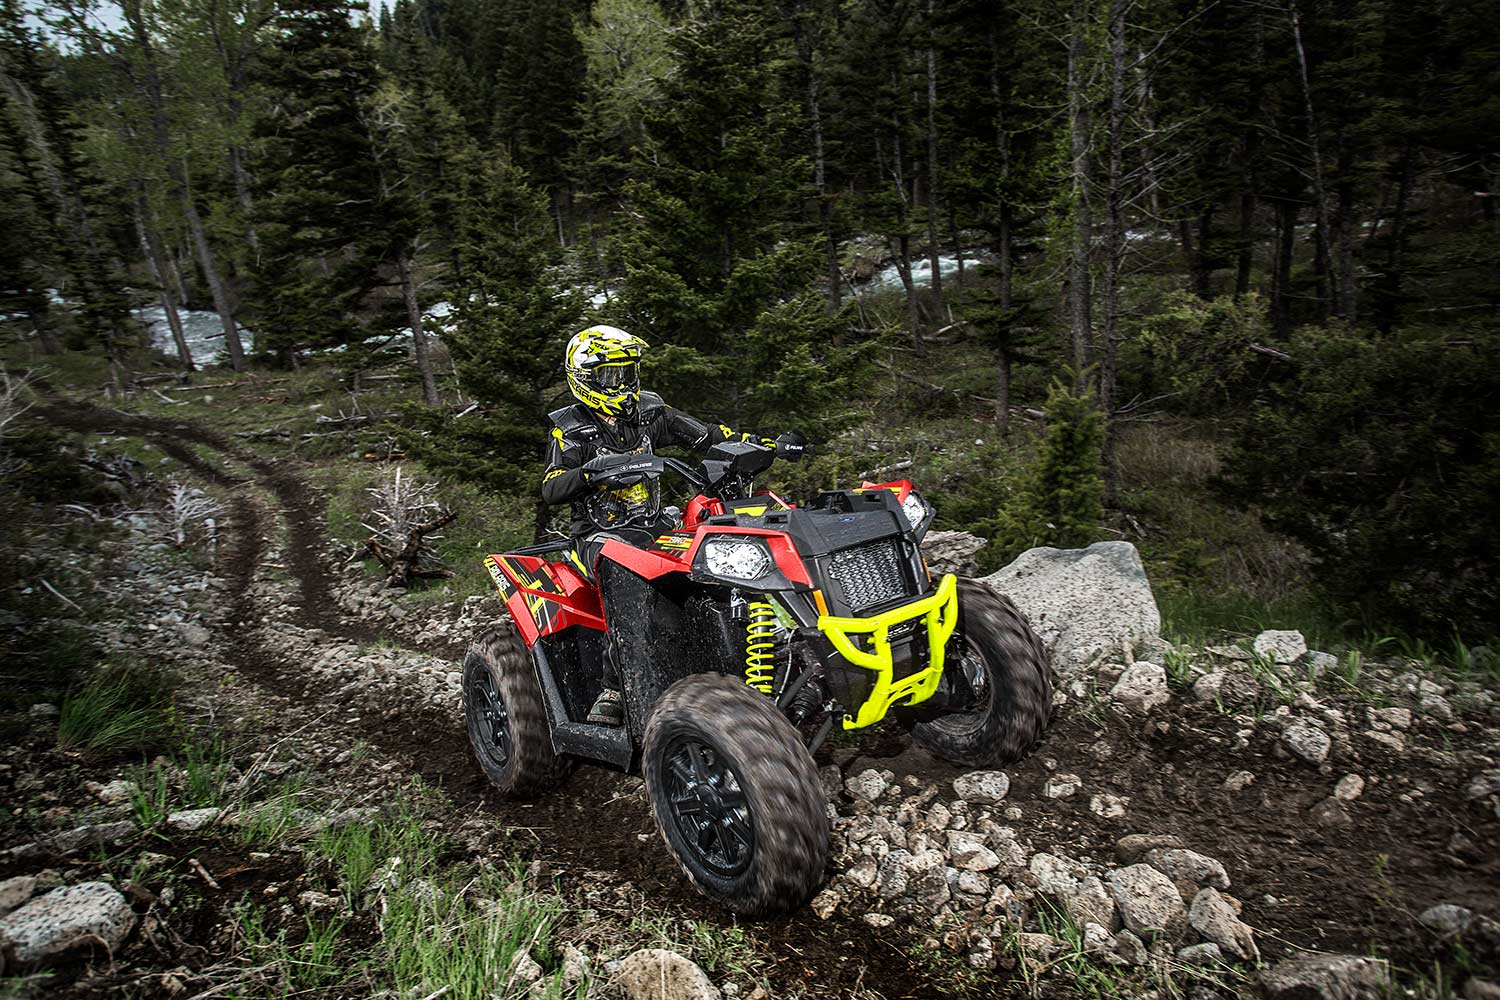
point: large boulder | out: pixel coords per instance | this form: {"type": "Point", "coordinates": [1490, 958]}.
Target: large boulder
{"type": "Point", "coordinates": [1084, 603]}
{"type": "Point", "coordinates": [658, 974]}
{"type": "Point", "coordinates": [1149, 901]}
{"type": "Point", "coordinates": [91, 913]}
{"type": "Point", "coordinates": [1327, 977]}
{"type": "Point", "coordinates": [952, 552]}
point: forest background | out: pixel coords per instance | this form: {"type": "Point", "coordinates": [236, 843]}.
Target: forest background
{"type": "Point", "coordinates": [1219, 278]}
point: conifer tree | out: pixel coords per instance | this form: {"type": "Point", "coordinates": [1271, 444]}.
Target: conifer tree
{"type": "Point", "coordinates": [1061, 499]}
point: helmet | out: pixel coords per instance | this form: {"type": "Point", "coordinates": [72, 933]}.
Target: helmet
{"type": "Point", "coordinates": [603, 365]}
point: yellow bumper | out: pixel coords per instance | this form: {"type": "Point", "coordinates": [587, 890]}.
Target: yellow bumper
{"type": "Point", "coordinates": [941, 612]}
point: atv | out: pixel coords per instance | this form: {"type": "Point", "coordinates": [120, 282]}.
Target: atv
{"type": "Point", "coordinates": [744, 631]}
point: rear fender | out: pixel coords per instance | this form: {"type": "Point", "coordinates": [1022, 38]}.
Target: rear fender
{"type": "Point", "coordinates": [544, 597]}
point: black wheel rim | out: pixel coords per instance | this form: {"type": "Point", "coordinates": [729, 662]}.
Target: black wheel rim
{"type": "Point", "coordinates": [974, 668]}
{"type": "Point", "coordinates": [492, 721]}
{"type": "Point", "coordinates": [708, 806]}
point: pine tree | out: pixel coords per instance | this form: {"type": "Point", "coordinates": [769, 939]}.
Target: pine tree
{"type": "Point", "coordinates": [1061, 499]}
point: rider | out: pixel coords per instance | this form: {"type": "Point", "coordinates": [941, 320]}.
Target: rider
{"type": "Point", "coordinates": [613, 419]}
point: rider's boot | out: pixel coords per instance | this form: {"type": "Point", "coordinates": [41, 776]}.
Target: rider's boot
{"type": "Point", "coordinates": [608, 709]}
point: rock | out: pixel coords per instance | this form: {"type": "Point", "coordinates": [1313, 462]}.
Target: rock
{"type": "Point", "coordinates": [189, 820]}
{"type": "Point", "coordinates": [878, 921]}
{"type": "Point", "coordinates": [195, 635]}
{"type": "Point", "coordinates": [1125, 948]}
{"type": "Point", "coordinates": [832, 780]}
{"type": "Point", "coordinates": [825, 903]}
{"type": "Point", "coordinates": [1061, 786]}
{"type": "Point", "coordinates": [1307, 742]}
{"type": "Point", "coordinates": [1239, 781]}
{"type": "Point", "coordinates": [113, 793]}
{"type": "Point", "coordinates": [87, 913]}
{"type": "Point", "coordinates": [969, 852]}
{"type": "Point", "coordinates": [1280, 647]}
{"type": "Point", "coordinates": [1056, 875]}
{"type": "Point", "coordinates": [1201, 956]}
{"type": "Point", "coordinates": [869, 784]}
{"type": "Point", "coordinates": [1390, 718]}
{"type": "Point", "coordinates": [1349, 788]}
{"type": "Point", "coordinates": [1331, 813]}
{"type": "Point", "coordinates": [45, 710]}
{"type": "Point", "coordinates": [1149, 903]}
{"type": "Point", "coordinates": [984, 788]}
{"type": "Point", "coordinates": [1327, 977]}
{"type": "Point", "coordinates": [1141, 688]}
{"type": "Point", "coordinates": [1446, 919]}
{"type": "Point", "coordinates": [1089, 903]}
{"type": "Point", "coordinates": [1482, 784]}
{"type": "Point", "coordinates": [952, 552]}
{"type": "Point", "coordinates": [1227, 687]}
{"type": "Point", "coordinates": [1318, 663]}
{"type": "Point", "coordinates": [1108, 806]}
{"type": "Point", "coordinates": [659, 974]}
{"type": "Point", "coordinates": [974, 883]}
{"type": "Point", "coordinates": [895, 873]}
{"type": "Point", "coordinates": [524, 968]}
{"type": "Point", "coordinates": [67, 841]}
{"type": "Point", "coordinates": [1043, 947]}
{"type": "Point", "coordinates": [1481, 989]}
{"type": "Point", "coordinates": [1082, 602]}
{"type": "Point", "coordinates": [1217, 918]}
{"type": "Point", "coordinates": [1436, 706]}
{"type": "Point", "coordinates": [576, 965]}
{"type": "Point", "coordinates": [15, 891]}
{"type": "Point", "coordinates": [981, 954]}
{"type": "Point", "coordinates": [1133, 846]}
{"type": "Point", "coordinates": [1188, 866]}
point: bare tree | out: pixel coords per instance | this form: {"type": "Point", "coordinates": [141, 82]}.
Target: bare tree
{"type": "Point", "coordinates": [1080, 125]}
{"type": "Point", "coordinates": [402, 522]}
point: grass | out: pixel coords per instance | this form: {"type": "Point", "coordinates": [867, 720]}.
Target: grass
{"type": "Point", "coordinates": [121, 709]}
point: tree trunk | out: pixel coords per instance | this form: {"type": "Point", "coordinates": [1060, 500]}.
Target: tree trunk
{"type": "Point", "coordinates": [242, 194]}
{"type": "Point", "coordinates": [418, 335]}
{"type": "Point", "coordinates": [215, 282]}
{"type": "Point", "coordinates": [1347, 302]}
{"type": "Point", "coordinates": [1079, 280]}
{"type": "Point", "coordinates": [1281, 286]}
{"type": "Point", "coordinates": [151, 244]}
{"type": "Point", "coordinates": [933, 203]}
{"type": "Point", "coordinates": [903, 239]}
{"type": "Point", "coordinates": [1002, 393]}
{"type": "Point", "coordinates": [1395, 263]}
{"type": "Point", "coordinates": [1320, 201]}
{"type": "Point", "coordinates": [807, 54]}
{"type": "Point", "coordinates": [1114, 246]}
{"type": "Point", "coordinates": [1006, 237]}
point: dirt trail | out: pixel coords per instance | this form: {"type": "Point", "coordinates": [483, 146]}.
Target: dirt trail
{"type": "Point", "coordinates": [595, 827]}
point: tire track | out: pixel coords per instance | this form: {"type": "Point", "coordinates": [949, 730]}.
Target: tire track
{"type": "Point", "coordinates": [819, 957]}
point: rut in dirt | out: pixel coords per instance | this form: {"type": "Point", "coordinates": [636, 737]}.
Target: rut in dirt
{"type": "Point", "coordinates": [606, 827]}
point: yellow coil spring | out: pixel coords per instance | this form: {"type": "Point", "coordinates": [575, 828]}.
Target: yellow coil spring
{"type": "Point", "coordinates": [760, 633]}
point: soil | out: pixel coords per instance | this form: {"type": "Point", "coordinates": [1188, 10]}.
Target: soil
{"type": "Point", "coordinates": [1414, 840]}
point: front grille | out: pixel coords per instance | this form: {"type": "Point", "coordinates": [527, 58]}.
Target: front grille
{"type": "Point", "coordinates": [868, 574]}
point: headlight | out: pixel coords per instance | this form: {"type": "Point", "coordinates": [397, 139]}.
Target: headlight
{"type": "Point", "coordinates": [914, 509]}
{"type": "Point", "coordinates": [736, 559]}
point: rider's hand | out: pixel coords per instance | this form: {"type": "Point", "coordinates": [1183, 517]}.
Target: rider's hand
{"type": "Point", "coordinates": [790, 445]}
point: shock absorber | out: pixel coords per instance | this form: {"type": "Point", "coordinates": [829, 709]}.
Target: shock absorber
{"type": "Point", "coordinates": [760, 641]}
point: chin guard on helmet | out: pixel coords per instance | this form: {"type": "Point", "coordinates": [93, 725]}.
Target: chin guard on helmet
{"type": "Point", "coordinates": [603, 367]}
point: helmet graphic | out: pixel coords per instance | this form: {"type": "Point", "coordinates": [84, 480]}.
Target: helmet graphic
{"type": "Point", "coordinates": [603, 365]}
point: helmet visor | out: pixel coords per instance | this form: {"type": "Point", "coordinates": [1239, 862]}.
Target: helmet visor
{"type": "Point", "coordinates": [621, 375]}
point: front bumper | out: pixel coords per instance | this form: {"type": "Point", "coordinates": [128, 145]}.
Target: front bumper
{"type": "Point", "coordinates": [941, 613]}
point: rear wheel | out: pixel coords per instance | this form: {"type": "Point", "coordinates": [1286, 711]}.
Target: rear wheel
{"type": "Point", "coordinates": [506, 720]}
{"type": "Point", "coordinates": [1007, 666]}
{"type": "Point", "coordinates": [735, 795]}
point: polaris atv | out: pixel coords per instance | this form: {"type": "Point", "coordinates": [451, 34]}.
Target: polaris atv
{"type": "Point", "coordinates": [743, 632]}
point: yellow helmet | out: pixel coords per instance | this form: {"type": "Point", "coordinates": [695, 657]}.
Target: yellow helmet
{"type": "Point", "coordinates": [603, 365]}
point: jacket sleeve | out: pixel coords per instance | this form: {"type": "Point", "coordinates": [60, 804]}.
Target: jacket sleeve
{"type": "Point", "coordinates": [564, 480]}
{"type": "Point", "coordinates": [686, 431]}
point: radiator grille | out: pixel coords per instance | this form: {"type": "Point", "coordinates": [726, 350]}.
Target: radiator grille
{"type": "Point", "coordinates": [868, 574]}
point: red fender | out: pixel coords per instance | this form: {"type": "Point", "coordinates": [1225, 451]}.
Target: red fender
{"type": "Point", "coordinates": [544, 597]}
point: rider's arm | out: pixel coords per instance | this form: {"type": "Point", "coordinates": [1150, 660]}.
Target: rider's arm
{"type": "Point", "coordinates": [688, 431]}
{"type": "Point", "coordinates": [564, 479]}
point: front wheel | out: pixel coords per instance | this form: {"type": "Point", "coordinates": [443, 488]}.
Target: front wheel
{"type": "Point", "coordinates": [506, 719]}
{"type": "Point", "coordinates": [1007, 665]}
{"type": "Point", "coordinates": [735, 795]}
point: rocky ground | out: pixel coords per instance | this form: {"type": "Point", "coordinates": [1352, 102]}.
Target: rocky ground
{"type": "Point", "coordinates": [1264, 819]}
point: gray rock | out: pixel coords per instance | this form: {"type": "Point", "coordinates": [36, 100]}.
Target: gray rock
{"type": "Point", "coordinates": [1082, 602]}
{"type": "Point", "coordinates": [576, 965]}
{"type": "Point", "coordinates": [1239, 781]}
{"type": "Point", "coordinates": [1141, 688]}
{"type": "Point", "coordinates": [189, 820]}
{"type": "Point", "coordinates": [1280, 647]}
{"type": "Point", "coordinates": [195, 635]}
{"type": "Point", "coordinates": [1188, 866]}
{"type": "Point", "coordinates": [1217, 917]}
{"type": "Point", "coordinates": [1482, 784]}
{"type": "Point", "coordinates": [1446, 919]}
{"type": "Point", "coordinates": [1205, 955]}
{"type": "Point", "coordinates": [1056, 875]}
{"type": "Point", "coordinates": [1331, 813]}
{"type": "Point", "coordinates": [969, 852]}
{"type": "Point", "coordinates": [113, 793]}
{"type": "Point", "coordinates": [1133, 846]}
{"type": "Point", "coordinates": [1109, 806]}
{"type": "Point", "coordinates": [869, 784]}
{"type": "Point", "coordinates": [982, 787]}
{"type": "Point", "coordinates": [1061, 786]}
{"type": "Point", "coordinates": [1481, 989]}
{"type": "Point", "coordinates": [1390, 718]}
{"type": "Point", "coordinates": [87, 913]}
{"type": "Point", "coordinates": [1089, 903]}
{"type": "Point", "coordinates": [1228, 687]}
{"type": "Point", "coordinates": [1349, 788]}
{"type": "Point", "coordinates": [952, 552]}
{"type": "Point", "coordinates": [1307, 742]}
{"type": "Point", "coordinates": [1149, 903]}
{"type": "Point", "coordinates": [659, 974]}
{"type": "Point", "coordinates": [895, 873]}
{"type": "Point", "coordinates": [1319, 663]}
{"type": "Point", "coordinates": [15, 891]}
{"type": "Point", "coordinates": [67, 841]}
{"type": "Point", "coordinates": [1327, 977]}
{"type": "Point", "coordinates": [524, 968]}
{"type": "Point", "coordinates": [1125, 948]}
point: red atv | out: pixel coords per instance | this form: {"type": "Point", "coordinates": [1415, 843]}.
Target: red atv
{"type": "Point", "coordinates": [743, 632]}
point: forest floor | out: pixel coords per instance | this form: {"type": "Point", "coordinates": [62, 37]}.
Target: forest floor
{"type": "Point", "coordinates": [331, 703]}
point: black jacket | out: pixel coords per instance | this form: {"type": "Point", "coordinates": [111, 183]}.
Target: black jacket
{"type": "Point", "coordinates": [578, 436]}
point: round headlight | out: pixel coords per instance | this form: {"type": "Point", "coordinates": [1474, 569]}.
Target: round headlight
{"type": "Point", "coordinates": [914, 509]}
{"type": "Point", "coordinates": [735, 559]}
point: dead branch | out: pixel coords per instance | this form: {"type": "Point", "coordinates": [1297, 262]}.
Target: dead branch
{"type": "Point", "coordinates": [1269, 352]}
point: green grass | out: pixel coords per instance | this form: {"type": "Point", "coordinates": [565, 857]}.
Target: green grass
{"type": "Point", "coordinates": [121, 709]}
{"type": "Point", "coordinates": [268, 822]}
